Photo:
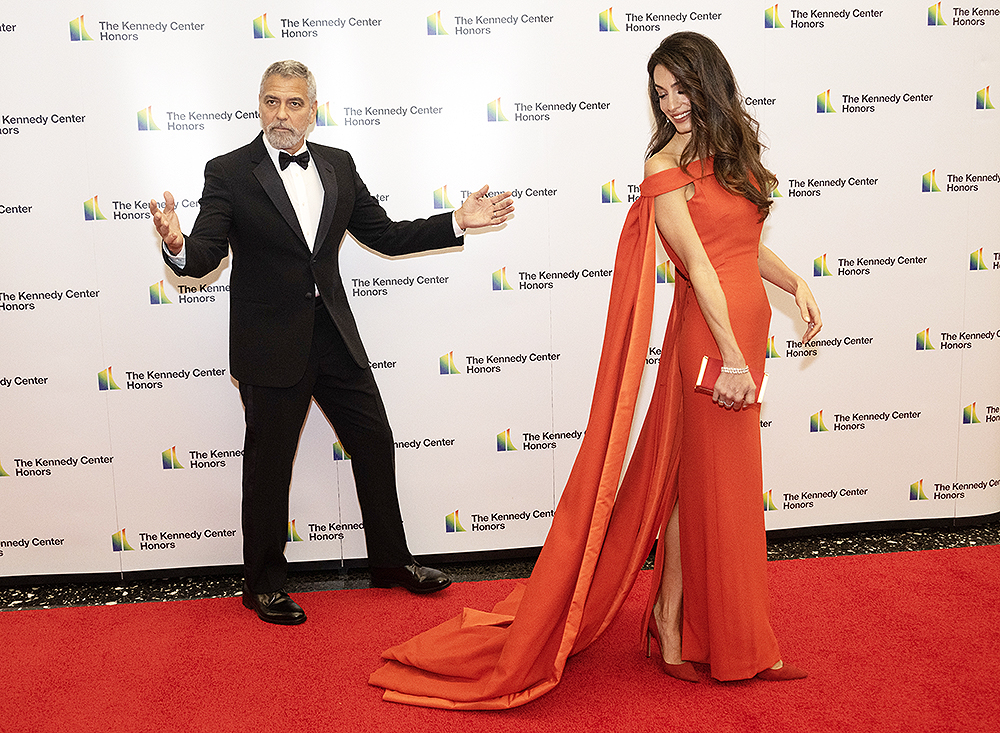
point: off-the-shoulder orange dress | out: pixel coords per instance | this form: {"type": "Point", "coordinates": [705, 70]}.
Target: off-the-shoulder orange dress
{"type": "Point", "coordinates": [605, 524]}
{"type": "Point", "coordinates": [720, 486]}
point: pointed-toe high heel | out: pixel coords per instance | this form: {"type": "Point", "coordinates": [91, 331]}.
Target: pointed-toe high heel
{"type": "Point", "coordinates": [683, 671]}
{"type": "Point", "coordinates": [782, 673]}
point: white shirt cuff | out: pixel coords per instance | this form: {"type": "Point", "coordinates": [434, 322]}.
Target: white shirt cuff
{"type": "Point", "coordinates": [179, 259]}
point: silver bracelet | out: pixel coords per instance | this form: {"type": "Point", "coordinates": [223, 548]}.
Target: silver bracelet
{"type": "Point", "coordinates": [736, 370]}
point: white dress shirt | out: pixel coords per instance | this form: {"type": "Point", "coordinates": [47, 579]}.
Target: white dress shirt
{"type": "Point", "coordinates": [305, 190]}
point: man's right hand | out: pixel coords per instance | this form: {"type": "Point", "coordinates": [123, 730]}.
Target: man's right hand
{"type": "Point", "coordinates": [167, 223]}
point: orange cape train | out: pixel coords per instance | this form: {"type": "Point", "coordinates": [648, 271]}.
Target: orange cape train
{"type": "Point", "coordinates": [602, 530]}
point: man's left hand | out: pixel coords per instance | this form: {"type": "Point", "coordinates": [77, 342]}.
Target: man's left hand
{"type": "Point", "coordinates": [478, 210]}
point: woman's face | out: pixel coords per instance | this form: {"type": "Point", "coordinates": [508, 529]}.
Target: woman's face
{"type": "Point", "coordinates": [673, 99]}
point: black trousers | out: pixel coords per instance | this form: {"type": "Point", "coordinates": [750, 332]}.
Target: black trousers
{"type": "Point", "coordinates": [349, 397]}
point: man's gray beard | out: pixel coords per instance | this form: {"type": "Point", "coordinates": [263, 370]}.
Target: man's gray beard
{"type": "Point", "coordinates": [283, 139]}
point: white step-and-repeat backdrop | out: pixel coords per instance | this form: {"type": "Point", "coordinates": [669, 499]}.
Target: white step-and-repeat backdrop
{"type": "Point", "coordinates": [121, 427]}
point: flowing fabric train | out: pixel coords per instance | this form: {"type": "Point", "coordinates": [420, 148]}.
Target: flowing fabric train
{"type": "Point", "coordinates": [603, 528]}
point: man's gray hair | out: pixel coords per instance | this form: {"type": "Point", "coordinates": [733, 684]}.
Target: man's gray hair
{"type": "Point", "coordinates": [291, 68]}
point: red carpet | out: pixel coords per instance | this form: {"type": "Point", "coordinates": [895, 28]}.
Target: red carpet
{"type": "Point", "coordinates": [901, 642]}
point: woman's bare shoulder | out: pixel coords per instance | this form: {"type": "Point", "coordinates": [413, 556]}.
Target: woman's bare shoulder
{"type": "Point", "coordinates": [661, 161]}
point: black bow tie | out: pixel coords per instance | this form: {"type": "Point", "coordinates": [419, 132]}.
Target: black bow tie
{"type": "Point", "coordinates": [302, 159]}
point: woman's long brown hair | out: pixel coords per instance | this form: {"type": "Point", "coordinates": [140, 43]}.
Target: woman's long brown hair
{"type": "Point", "coordinates": [720, 125]}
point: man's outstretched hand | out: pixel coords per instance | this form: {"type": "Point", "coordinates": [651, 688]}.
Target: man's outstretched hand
{"type": "Point", "coordinates": [167, 223]}
{"type": "Point", "coordinates": [480, 210]}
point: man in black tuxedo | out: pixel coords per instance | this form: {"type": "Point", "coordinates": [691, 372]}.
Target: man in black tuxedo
{"type": "Point", "coordinates": [283, 207]}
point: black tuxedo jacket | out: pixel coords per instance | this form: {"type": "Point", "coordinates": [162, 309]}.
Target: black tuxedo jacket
{"type": "Point", "coordinates": [274, 275]}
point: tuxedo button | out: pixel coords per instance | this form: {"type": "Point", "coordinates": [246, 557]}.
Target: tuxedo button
{"type": "Point", "coordinates": [309, 296]}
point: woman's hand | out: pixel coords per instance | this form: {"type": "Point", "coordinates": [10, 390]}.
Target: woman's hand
{"type": "Point", "coordinates": [809, 311]}
{"type": "Point", "coordinates": [775, 271]}
{"type": "Point", "coordinates": [734, 391]}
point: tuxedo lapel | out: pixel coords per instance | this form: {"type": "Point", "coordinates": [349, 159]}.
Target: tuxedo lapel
{"type": "Point", "coordinates": [328, 176]}
{"type": "Point", "coordinates": [269, 179]}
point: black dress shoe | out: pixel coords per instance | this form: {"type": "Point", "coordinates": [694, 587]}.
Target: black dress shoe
{"type": "Point", "coordinates": [274, 608]}
{"type": "Point", "coordinates": [414, 577]}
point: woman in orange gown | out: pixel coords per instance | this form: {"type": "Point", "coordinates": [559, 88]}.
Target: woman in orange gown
{"type": "Point", "coordinates": [712, 195]}
{"type": "Point", "coordinates": [694, 477]}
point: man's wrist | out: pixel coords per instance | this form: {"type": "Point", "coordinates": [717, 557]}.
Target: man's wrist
{"type": "Point", "coordinates": [179, 259]}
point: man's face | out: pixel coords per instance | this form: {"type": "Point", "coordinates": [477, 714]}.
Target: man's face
{"type": "Point", "coordinates": [285, 112]}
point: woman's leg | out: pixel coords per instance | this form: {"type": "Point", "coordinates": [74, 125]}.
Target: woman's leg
{"type": "Point", "coordinates": [668, 607]}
